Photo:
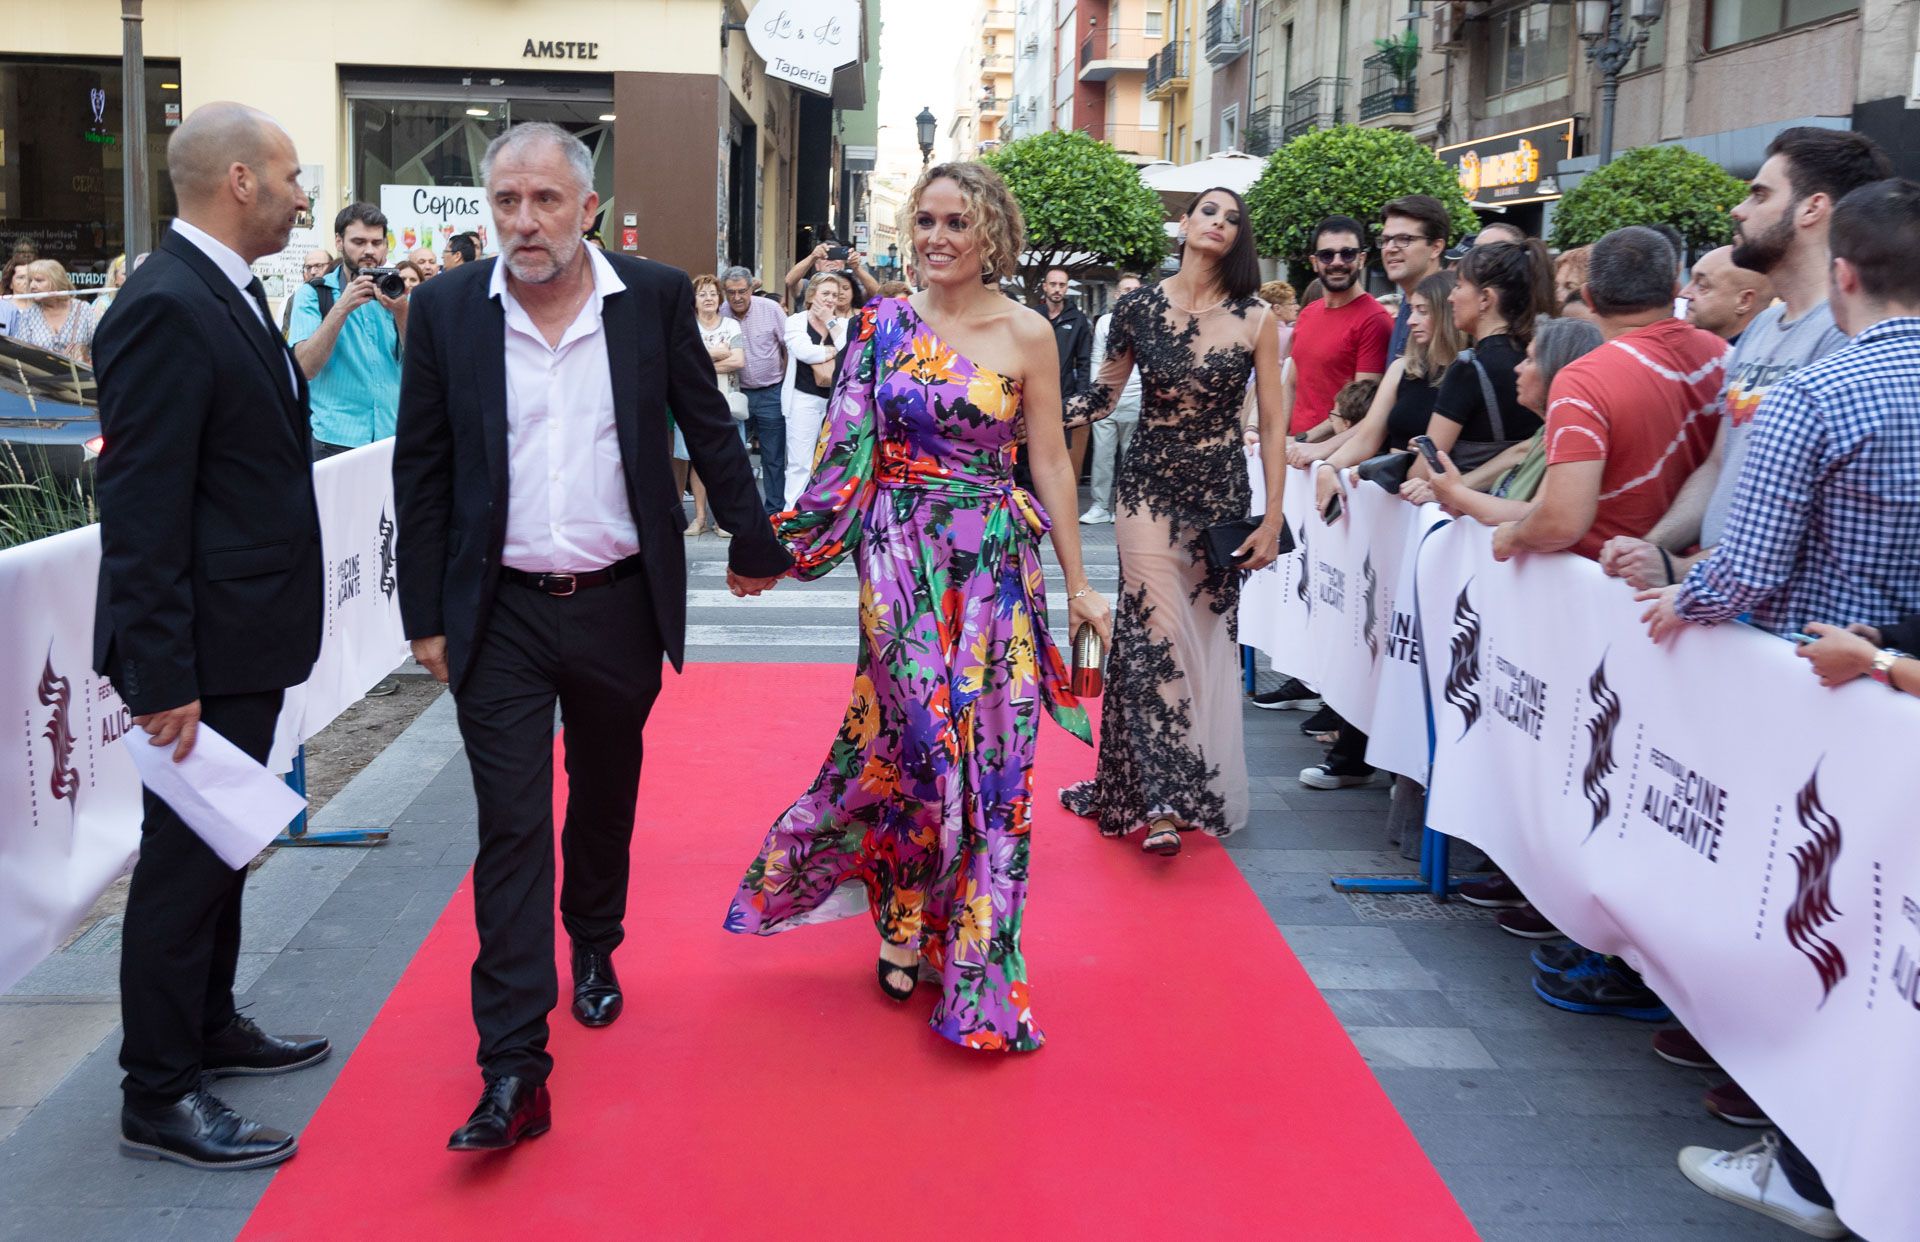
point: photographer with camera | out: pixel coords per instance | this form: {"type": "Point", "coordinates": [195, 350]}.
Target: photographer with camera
{"type": "Point", "coordinates": [346, 332]}
{"type": "Point", "coordinates": [830, 256]}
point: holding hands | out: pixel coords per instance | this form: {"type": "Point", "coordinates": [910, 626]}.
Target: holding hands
{"type": "Point", "coordinates": [743, 587]}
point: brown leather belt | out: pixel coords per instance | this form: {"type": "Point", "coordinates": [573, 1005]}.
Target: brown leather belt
{"type": "Point", "coordinates": [566, 584]}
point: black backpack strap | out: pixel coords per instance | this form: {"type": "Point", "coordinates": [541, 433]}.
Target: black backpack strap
{"type": "Point", "coordinates": [320, 286]}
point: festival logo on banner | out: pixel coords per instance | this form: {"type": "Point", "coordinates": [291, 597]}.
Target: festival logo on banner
{"type": "Point", "coordinates": [1370, 600]}
{"type": "Point", "coordinates": [1306, 570]}
{"type": "Point", "coordinates": [1463, 676]}
{"type": "Point", "coordinates": [1600, 733]}
{"type": "Point", "coordinates": [387, 580]}
{"type": "Point", "coordinates": [1690, 807]}
{"type": "Point", "coordinates": [56, 692]}
{"type": "Point", "coordinates": [1906, 965]}
{"type": "Point", "coordinates": [1812, 908]}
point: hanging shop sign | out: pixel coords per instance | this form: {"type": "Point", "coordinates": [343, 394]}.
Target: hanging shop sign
{"type": "Point", "coordinates": [1516, 167]}
{"type": "Point", "coordinates": [804, 41]}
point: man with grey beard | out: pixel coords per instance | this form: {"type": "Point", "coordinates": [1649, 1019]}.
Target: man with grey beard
{"type": "Point", "coordinates": [541, 561]}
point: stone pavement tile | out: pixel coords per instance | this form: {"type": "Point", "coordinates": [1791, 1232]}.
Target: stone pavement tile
{"type": "Point", "coordinates": [1452, 1092]}
{"type": "Point", "coordinates": [1375, 943]}
{"type": "Point", "coordinates": [1664, 1197]}
{"type": "Point", "coordinates": [1474, 937]}
{"type": "Point", "coordinates": [42, 1040]}
{"type": "Point", "coordinates": [284, 891]}
{"type": "Point", "coordinates": [1506, 1009]}
{"type": "Point", "coordinates": [1764, 1231]}
{"type": "Point", "coordinates": [1420, 1047]}
{"type": "Point", "coordinates": [1348, 972]}
{"type": "Point", "coordinates": [198, 1224]}
{"type": "Point", "coordinates": [1414, 1007]}
{"type": "Point", "coordinates": [1642, 1142]}
{"type": "Point", "coordinates": [1606, 1092]}
{"type": "Point", "coordinates": [1542, 1198]}
{"type": "Point", "coordinates": [1322, 864]}
{"type": "Point", "coordinates": [42, 1222]}
{"type": "Point", "coordinates": [1482, 973]}
{"type": "Point", "coordinates": [9, 1119]}
{"type": "Point", "coordinates": [1327, 909]}
{"type": "Point", "coordinates": [1581, 1042]}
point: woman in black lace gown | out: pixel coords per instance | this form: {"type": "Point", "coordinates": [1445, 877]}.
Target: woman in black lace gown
{"type": "Point", "coordinates": [1171, 756]}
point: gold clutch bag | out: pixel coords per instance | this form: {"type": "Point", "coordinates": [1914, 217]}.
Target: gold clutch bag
{"type": "Point", "coordinates": [1089, 654]}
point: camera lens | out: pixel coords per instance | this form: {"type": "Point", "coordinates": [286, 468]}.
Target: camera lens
{"type": "Point", "coordinates": [390, 285]}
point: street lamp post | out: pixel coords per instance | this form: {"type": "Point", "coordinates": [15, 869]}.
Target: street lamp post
{"type": "Point", "coordinates": [926, 123]}
{"type": "Point", "coordinates": [1611, 46]}
{"type": "Point", "coordinates": [133, 155]}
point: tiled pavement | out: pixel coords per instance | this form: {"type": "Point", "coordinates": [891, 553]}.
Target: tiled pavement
{"type": "Point", "coordinates": [1546, 1126]}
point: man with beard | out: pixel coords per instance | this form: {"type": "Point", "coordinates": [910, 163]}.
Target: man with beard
{"type": "Point", "coordinates": [1339, 338]}
{"type": "Point", "coordinates": [1779, 231]}
{"type": "Point", "coordinates": [541, 561]}
{"type": "Point", "coordinates": [346, 335]}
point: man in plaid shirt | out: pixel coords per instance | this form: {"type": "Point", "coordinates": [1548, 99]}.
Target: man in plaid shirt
{"type": "Point", "coordinates": [1826, 521]}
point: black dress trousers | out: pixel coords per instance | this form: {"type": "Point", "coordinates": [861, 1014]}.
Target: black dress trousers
{"type": "Point", "coordinates": [598, 654]}
{"type": "Point", "coordinates": [182, 932]}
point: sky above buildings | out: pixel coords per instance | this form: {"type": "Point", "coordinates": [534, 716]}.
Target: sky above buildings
{"type": "Point", "coordinates": [921, 42]}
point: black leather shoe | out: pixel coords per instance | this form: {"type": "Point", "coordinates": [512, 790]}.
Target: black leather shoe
{"type": "Point", "coordinates": [596, 990]}
{"type": "Point", "coordinates": [244, 1049]}
{"type": "Point", "coordinates": [510, 1109]}
{"type": "Point", "coordinates": [197, 1129]}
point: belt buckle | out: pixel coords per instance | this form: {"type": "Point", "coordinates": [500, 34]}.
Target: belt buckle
{"type": "Point", "coordinates": [549, 581]}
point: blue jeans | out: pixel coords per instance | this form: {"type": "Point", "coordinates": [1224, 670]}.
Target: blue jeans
{"type": "Point", "coordinates": [770, 425]}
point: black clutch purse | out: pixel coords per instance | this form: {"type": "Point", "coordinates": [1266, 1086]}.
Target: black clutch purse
{"type": "Point", "coordinates": [1218, 542]}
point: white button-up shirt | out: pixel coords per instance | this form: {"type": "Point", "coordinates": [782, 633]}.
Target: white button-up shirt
{"type": "Point", "coordinates": [567, 509]}
{"type": "Point", "coordinates": [235, 269]}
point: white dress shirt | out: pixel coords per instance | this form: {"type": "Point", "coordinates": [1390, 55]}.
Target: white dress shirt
{"type": "Point", "coordinates": [234, 268]}
{"type": "Point", "coordinates": [567, 509]}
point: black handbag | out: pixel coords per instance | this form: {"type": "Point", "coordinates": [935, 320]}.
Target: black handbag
{"type": "Point", "coordinates": [1219, 541]}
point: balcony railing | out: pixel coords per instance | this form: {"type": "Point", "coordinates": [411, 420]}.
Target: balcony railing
{"type": "Point", "coordinates": [1382, 93]}
{"type": "Point", "coordinates": [1317, 105]}
{"type": "Point", "coordinates": [1168, 70]}
{"type": "Point", "coordinates": [1111, 52]}
{"type": "Point", "coordinates": [992, 105]}
{"type": "Point", "coordinates": [1227, 37]}
{"type": "Point", "coordinates": [1265, 130]}
{"type": "Point", "coordinates": [996, 62]}
{"type": "Point", "coordinates": [999, 18]}
{"type": "Point", "coordinates": [1142, 140]}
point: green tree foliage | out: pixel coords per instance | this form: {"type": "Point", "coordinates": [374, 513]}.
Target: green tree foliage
{"type": "Point", "coordinates": [1651, 185]}
{"type": "Point", "coordinates": [1085, 206]}
{"type": "Point", "coordinates": [1345, 170]}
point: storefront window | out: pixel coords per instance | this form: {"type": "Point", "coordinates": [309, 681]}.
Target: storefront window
{"type": "Point", "coordinates": [61, 159]}
{"type": "Point", "coordinates": [1529, 55]}
{"type": "Point", "coordinates": [437, 136]}
{"type": "Point", "coordinates": [1736, 21]}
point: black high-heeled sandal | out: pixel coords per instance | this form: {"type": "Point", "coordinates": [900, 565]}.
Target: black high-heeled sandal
{"type": "Point", "coordinates": [1163, 841]}
{"type": "Point", "coordinates": [911, 971]}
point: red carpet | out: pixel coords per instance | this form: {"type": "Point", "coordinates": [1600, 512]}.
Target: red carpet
{"type": "Point", "coordinates": [1194, 1085]}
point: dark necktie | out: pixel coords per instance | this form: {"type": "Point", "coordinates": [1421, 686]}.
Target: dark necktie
{"type": "Point", "coordinates": [259, 294]}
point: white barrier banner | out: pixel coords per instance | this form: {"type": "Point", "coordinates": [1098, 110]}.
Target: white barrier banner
{"type": "Point", "coordinates": [1708, 811]}
{"type": "Point", "coordinates": [1338, 614]}
{"type": "Point", "coordinates": [69, 799]}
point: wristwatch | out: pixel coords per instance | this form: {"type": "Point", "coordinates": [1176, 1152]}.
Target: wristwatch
{"type": "Point", "coordinates": [1883, 661]}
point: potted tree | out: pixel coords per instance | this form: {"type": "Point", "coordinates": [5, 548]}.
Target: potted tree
{"type": "Point", "coordinates": [1402, 58]}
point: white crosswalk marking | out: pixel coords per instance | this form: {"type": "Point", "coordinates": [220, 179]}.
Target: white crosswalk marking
{"type": "Point", "coordinates": [817, 622]}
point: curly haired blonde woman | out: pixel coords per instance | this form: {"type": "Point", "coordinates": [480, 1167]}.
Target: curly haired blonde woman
{"type": "Point", "coordinates": [919, 817]}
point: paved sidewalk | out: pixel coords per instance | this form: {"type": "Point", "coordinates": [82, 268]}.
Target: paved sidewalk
{"type": "Point", "coordinates": [1546, 1126]}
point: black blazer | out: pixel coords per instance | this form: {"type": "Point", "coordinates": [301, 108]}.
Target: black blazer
{"type": "Point", "coordinates": [450, 453]}
{"type": "Point", "coordinates": [210, 569]}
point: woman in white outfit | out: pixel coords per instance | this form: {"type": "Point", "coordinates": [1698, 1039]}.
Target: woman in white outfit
{"type": "Point", "coordinates": [814, 338]}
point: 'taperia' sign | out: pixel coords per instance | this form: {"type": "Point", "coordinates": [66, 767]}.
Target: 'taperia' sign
{"type": "Point", "coordinates": [1517, 167]}
{"type": "Point", "coordinates": [804, 41]}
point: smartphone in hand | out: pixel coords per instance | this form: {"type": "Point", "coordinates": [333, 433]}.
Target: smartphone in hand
{"type": "Point", "coordinates": [1331, 513]}
{"type": "Point", "coordinates": [1424, 445]}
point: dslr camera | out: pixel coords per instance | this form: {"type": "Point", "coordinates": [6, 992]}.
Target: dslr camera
{"type": "Point", "coordinates": [387, 280]}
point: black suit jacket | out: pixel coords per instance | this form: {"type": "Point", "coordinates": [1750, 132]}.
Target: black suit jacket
{"type": "Point", "coordinates": [210, 572]}
{"type": "Point", "coordinates": [450, 454]}
{"type": "Point", "coordinates": [1073, 335]}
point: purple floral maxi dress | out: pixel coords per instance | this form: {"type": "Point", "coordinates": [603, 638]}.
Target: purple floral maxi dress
{"type": "Point", "coordinates": [920, 814]}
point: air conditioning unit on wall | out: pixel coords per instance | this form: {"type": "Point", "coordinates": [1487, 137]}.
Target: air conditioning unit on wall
{"type": "Point", "coordinates": [1449, 25]}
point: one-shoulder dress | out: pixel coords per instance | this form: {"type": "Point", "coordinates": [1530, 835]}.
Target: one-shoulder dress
{"type": "Point", "coordinates": [921, 813]}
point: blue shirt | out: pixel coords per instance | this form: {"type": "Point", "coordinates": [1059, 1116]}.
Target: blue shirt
{"type": "Point", "coordinates": [356, 396]}
{"type": "Point", "coordinates": [1826, 515]}
{"type": "Point", "coordinates": [1397, 345]}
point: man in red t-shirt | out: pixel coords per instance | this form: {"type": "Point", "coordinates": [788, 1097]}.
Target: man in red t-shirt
{"type": "Point", "coordinates": [1630, 421]}
{"type": "Point", "coordinates": [1340, 337]}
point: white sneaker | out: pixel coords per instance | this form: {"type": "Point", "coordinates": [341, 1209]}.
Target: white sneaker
{"type": "Point", "coordinates": [1322, 776]}
{"type": "Point", "coordinates": [1096, 516]}
{"type": "Point", "coordinates": [1750, 1178]}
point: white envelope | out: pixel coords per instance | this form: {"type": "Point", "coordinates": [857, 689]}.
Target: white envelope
{"type": "Point", "coordinates": [234, 803]}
